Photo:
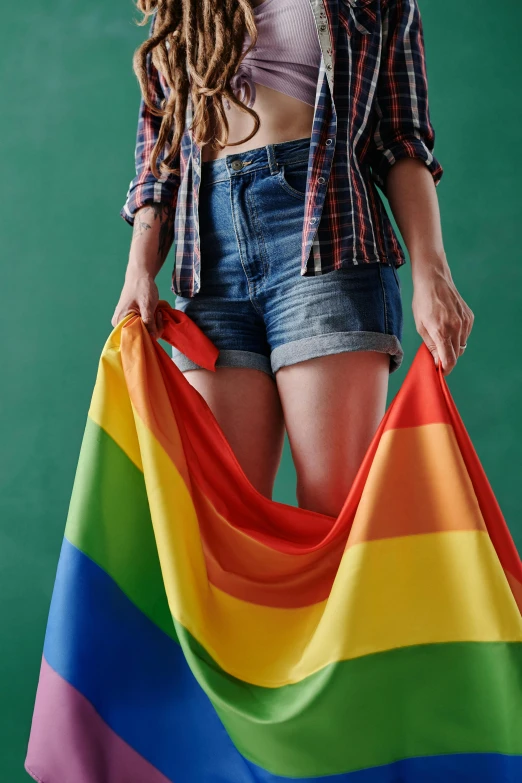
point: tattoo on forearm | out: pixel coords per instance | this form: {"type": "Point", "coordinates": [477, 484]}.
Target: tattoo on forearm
{"type": "Point", "coordinates": [140, 224]}
{"type": "Point", "coordinates": [165, 214]}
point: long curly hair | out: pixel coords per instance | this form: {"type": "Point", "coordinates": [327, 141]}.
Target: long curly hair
{"type": "Point", "coordinates": [197, 46]}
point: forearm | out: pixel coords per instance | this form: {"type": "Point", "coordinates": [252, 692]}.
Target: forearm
{"type": "Point", "coordinates": [412, 196]}
{"type": "Point", "coordinates": [442, 317]}
{"type": "Point", "coordinates": [152, 237]}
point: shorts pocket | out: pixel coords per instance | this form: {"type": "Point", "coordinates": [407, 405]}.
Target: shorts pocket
{"type": "Point", "coordinates": [293, 176]}
{"type": "Point", "coordinates": [396, 276]}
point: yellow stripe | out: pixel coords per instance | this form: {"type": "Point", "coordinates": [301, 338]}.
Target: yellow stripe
{"type": "Point", "coordinates": [422, 589]}
{"type": "Point", "coordinates": [110, 404]}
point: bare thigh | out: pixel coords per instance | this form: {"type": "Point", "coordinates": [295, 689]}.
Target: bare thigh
{"type": "Point", "coordinates": [332, 407]}
{"type": "Point", "coordinates": [247, 407]}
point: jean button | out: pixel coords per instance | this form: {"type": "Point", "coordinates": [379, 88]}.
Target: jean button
{"type": "Point", "coordinates": [237, 165]}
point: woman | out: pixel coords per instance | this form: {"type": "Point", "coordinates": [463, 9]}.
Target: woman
{"type": "Point", "coordinates": [274, 122]}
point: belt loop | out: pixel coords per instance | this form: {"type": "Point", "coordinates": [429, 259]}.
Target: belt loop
{"type": "Point", "coordinates": [274, 166]}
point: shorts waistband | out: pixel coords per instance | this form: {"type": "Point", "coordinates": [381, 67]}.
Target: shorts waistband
{"type": "Point", "coordinates": [271, 155]}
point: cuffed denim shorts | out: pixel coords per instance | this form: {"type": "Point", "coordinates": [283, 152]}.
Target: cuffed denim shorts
{"type": "Point", "coordinates": [253, 303]}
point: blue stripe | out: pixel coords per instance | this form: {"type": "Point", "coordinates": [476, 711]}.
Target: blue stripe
{"type": "Point", "coordinates": [139, 682]}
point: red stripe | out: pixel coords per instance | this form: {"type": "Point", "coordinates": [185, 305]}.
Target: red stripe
{"type": "Point", "coordinates": [294, 553]}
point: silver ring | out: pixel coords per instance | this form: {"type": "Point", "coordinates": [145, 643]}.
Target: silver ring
{"type": "Point", "coordinates": [463, 346]}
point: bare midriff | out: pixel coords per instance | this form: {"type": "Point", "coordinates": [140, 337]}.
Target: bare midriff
{"type": "Point", "coordinates": [282, 118]}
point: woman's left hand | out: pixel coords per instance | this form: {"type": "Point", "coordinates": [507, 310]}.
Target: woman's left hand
{"type": "Point", "coordinates": [442, 317]}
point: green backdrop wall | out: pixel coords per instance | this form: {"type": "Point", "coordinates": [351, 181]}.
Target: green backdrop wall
{"type": "Point", "coordinates": [69, 108]}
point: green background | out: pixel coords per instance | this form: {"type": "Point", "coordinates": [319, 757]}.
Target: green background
{"type": "Point", "coordinates": [69, 109]}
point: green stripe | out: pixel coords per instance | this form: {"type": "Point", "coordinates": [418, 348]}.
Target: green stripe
{"type": "Point", "coordinates": [421, 700]}
{"type": "Point", "coordinates": [413, 701]}
{"type": "Point", "coordinates": [109, 520]}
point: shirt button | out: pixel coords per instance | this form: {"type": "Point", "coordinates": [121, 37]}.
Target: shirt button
{"type": "Point", "coordinates": [322, 28]}
{"type": "Point", "coordinates": [313, 220]}
{"type": "Point", "coordinates": [321, 180]}
{"type": "Point", "coordinates": [328, 142]}
{"type": "Point", "coordinates": [329, 67]}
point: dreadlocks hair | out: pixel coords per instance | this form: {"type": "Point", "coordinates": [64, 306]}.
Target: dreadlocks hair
{"type": "Point", "coordinates": [197, 46]}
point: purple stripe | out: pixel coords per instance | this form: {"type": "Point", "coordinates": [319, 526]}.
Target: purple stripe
{"type": "Point", "coordinates": [75, 741]}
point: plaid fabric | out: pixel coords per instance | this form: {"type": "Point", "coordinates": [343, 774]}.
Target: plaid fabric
{"type": "Point", "coordinates": [371, 110]}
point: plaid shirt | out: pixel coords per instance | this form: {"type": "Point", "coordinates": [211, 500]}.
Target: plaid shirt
{"type": "Point", "coordinates": [371, 109]}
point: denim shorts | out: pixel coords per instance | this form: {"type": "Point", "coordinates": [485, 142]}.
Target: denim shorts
{"type": "Point", "coordinates": [253, 303]}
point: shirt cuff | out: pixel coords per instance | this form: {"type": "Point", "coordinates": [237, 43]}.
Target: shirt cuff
{"type": "Point", "coordinates": [153, 192]}
{"type": "Point", "coordinates": [411, 147]}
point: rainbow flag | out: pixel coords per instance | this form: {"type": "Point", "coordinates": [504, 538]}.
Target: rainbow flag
{"type": "Point", "coordinates": [201, 633]}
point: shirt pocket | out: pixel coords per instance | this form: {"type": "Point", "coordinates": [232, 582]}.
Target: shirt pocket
{"type": "Point", "coordinates": [359, 17]}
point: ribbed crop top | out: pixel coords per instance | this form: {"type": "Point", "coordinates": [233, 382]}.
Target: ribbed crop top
{"type": "Point", "coordinates": [287, 54]}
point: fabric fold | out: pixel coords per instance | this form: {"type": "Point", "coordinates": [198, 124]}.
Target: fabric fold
{"type": "Point", "coordinates": [202, 633]}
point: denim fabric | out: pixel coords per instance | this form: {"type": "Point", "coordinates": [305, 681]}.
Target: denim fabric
{"type": "Point", "coordinates": [371, 110]}
{"type": "Point", "coordinates": [254, 303]}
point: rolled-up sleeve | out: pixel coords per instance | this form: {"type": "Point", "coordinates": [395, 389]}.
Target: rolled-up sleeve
{"type": "Point", "coordinates": [402, 127]}
{"type": "Point", "coordinates": [145, 188]}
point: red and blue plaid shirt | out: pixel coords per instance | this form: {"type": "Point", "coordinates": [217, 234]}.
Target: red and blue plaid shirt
{"type": "Point", "coordinates": [371, 110]}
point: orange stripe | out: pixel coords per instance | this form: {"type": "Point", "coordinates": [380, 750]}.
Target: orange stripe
{"type": "Point", "coordinates": [425, 398]}
{"type": "Point", "coordinates": [430, 493]}
{"type": "Point", "coordinates": [496, 524]}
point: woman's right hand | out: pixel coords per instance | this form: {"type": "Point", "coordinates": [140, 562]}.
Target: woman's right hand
{"type": "Point", "coordinates": [140, 295]}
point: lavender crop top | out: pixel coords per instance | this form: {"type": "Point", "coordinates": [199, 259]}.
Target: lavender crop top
{"type": "Point", "coordinates": [287, 54]}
